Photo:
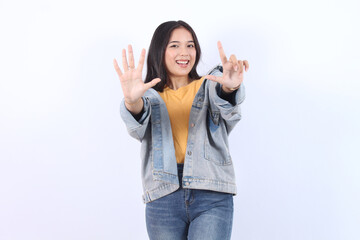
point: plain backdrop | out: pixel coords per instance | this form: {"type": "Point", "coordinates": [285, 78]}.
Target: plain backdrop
{"type": "Point", "coordinates": [69, 170]}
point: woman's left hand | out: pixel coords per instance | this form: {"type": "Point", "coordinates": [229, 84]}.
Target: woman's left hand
{"type": "Point", "coordinates": [233, 71]}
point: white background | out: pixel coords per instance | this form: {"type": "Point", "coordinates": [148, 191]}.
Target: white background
{"type": "Point", "coordinates": [69, 169]}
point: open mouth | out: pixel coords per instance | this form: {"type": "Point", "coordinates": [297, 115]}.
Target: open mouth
{"type": "Point", "coordinates": [183, 63]}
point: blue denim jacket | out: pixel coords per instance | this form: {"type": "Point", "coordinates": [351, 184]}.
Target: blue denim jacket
{"type": "Point", "coordinates": [208, 164]}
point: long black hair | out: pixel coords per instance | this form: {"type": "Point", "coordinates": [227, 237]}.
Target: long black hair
{"type": "Point", "coordinates": [156, 55]}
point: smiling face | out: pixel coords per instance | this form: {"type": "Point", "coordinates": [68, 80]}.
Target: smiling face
{"type": "Point", "coordinates": [180, 54]}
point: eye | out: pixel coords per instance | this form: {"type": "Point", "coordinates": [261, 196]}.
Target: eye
{"type": "Point", "coordinates": [191, 45]}
{"type": "Point", "coordinates": [174, 46]}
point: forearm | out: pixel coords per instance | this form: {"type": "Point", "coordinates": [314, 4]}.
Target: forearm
{"type": "Point", "coordinates": [135, 108]}
{"type": "Point", "coordinates": [136, 126]}
{"type": "Point", "coordinates": [227, 95]}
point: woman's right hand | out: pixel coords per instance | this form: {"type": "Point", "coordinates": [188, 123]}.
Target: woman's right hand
{"type": "Point", "coordinates": [132, 85]}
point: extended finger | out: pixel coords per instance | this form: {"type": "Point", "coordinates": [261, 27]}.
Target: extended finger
{"type": "Point", "coordinates": [124, 61]}
{"type": "Point", "coordinates": [152, 83]}
{"type": "Point", "coordinates": [214, 78]}
{"type": "Point", "coordinates": [141, 60]}
{"type": "Point", "coordinates": [131, 57]}
{"type": "Point", "coordinates": [246, 65]}
{"type": "Point", "coordinates": [116, 66]}
{"type": "Point", "coordinates": [234, 62]}
{"type": "Point", "coordinates": [221, 53]}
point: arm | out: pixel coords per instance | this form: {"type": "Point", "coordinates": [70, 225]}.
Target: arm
{"type": "Point", "coordinates": [134, 88]}
{"type": "Point", "coordinates": [226, 91]}
{"type": "Point", "coordinates": [229, 111]}
{"type": "Point", "coordinates": [230, 97]}
{"type": "Point", "coordinates": [132, 85]}
{"type": "Point", "coordinates": [232, 72]}
{"type": "Point", "coordinates": [136, 127]}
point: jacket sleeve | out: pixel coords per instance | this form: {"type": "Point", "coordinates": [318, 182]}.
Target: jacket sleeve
{"type": "Point", "coordinates": [221, 108]}
{"type": "Point", "coordinates": [136, 128]}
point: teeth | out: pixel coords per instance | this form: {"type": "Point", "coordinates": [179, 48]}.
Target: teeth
{"type": "Point", "coordinates": [182, 62]}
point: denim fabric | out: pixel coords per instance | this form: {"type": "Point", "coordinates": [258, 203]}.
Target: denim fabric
{"type": "Point", "coordinates": [190, 214]}
{"type": "Point", "coordinates": [208, 164]}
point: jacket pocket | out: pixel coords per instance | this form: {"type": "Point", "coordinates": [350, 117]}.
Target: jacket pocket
{"type": "Point", "coordinates": [216, 143]}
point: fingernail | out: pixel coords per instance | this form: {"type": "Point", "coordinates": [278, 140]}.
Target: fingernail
{"type": "Point", "coordinates": [236, 68]}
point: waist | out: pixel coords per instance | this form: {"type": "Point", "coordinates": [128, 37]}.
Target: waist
{"type": "Point", "coordinates": [180, 168]}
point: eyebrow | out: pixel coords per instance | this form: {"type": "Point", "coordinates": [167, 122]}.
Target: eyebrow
{"type": "Point", "coordinates": [179, 42]}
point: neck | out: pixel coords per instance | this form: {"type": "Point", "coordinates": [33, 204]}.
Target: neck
{"type": "Point", "coordinates": [178, 82]}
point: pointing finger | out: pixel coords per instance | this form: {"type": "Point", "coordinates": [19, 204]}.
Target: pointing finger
{"type": "Point", "coordinates": [221, 53]}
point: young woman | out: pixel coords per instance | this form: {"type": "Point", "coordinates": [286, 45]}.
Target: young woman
{"type": "Point", "coordinates": [182, 121]}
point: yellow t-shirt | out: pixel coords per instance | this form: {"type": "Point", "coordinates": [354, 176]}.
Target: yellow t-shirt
{"type": "Point", "coordinates": [178, 103]}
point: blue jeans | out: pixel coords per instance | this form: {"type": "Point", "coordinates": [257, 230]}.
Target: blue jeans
{"type": "Point", "coordinates": [190, 214]}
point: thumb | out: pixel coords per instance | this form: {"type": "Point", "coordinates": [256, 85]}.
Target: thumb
{"type": "Point", "coordinates": [152, 83]}
{"type": "Point", "coordinates": [214, 78]}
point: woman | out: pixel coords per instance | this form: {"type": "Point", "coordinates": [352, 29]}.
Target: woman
{"type": "Point", "coordinates": [182, 121]}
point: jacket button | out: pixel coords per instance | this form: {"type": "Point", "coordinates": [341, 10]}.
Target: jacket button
{"type": "Point", "coordinates": [189, 153]}
{"type": "Point", "coordinates": [187, 183]}
{"type": "Point", "coordinates": [192, 125]}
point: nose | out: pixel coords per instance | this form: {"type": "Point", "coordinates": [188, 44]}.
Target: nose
{"type": "Point", "coordinates": [184, 51]}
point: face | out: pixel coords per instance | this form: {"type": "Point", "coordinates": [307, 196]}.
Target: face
{"type": "Point", "coordinates": [180, 54]}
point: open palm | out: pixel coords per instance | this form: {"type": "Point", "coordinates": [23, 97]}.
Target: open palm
{"type": "Point", "coordinates": [132, 85]}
